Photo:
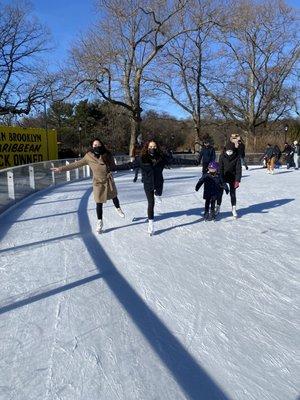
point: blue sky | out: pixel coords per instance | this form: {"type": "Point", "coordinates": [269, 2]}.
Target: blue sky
{"type": "Point", "coordinates": [67, 19]}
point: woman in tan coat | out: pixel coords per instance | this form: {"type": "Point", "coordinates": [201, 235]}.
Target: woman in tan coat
{"type": "Point", "coordinates": [101, 162]}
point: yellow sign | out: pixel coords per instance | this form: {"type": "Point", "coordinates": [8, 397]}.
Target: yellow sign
{"type": "Point", "coordinates": [20, 146]}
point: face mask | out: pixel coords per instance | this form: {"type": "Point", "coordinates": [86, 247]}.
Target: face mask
{"type": "Point", "coordinates": [99, 150]}
{"type": "Point", "coordinates": [152, 152]}
{"type": "Point", "coordinates": [229, 152]}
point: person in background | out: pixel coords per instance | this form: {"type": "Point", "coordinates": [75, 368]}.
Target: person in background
{"type": "Point", "coordinates": [231, 172]}
{"type": "Point", "coordinates": [270, 158]}
{"type": "Point", "coordinates": [289, 155]}
{"type": "Point", "coordinates": [207, 154]}
{"type": "Point", "coordinates": [102, 163]}
{"type": "Point", "coordinates": [296, 149]}
{"type": "Point", "coordinates": [241, 151]}
{"type": "Point", "coordinates": [136, 155]}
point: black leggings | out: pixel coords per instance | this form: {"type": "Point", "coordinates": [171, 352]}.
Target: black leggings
{"type": "Point", "coordinates": [151, 202]}
{"type": "Point", "coordinates": [151, 199]}
{"type": "Point", "coordinates": [99, 207]}
{"type": "Point", "coordinates": [210, 202]}
{"type": "Point", "coordinates": [232, 192]}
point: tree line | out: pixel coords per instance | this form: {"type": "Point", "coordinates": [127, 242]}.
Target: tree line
{"type": "Point", "coordinates": [230, 65]}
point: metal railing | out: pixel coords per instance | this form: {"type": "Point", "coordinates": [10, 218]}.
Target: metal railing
{"type": "Point", "coordinates": [19, 182]}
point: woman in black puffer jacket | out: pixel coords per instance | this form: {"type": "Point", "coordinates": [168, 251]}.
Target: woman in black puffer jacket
{"type": "Point", "coordinates": [152, 162]}
{"type": "Point", "coordinates": [231, 172]}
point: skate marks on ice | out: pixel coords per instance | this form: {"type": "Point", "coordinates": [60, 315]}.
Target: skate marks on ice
{"type": "Point", "coordinates": [189, 375]}
{"type": "Point", "coordinates": [43, 295]}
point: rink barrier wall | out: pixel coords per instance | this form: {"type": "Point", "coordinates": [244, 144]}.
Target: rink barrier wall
{"type": "Point", "coordinates": [16, 183]}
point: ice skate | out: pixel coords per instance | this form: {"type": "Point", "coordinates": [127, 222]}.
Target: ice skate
{"type": "Point", "coordinates": [217, 210]}
{"type": "Point", "coordinates": [158, 199]}
{"type": "Point", "coordinates": [206, 216]}
{"type": "Point", "coordinates": [212, 216]}
{"type": "Point", "coordinates": [99, 226]}
{"type": "Point", "coordinates": [234, 213]}
{"type": "Point", "coordinates": [120, 212]}
{"type": "Point", "coordinates": [150, 227]}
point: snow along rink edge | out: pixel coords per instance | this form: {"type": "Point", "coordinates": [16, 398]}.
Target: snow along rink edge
{"type": "Point", "coordinates": [201, 310]}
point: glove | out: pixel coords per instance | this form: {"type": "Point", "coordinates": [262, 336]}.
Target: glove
{"type": "Point", "coordinates": [226, 189]}
{"type": "Point", "coordinates": [236, 184]}
{"type": "Point", "coordinates": [197, 187]}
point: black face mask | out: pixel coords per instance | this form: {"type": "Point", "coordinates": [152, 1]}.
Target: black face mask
{"type": "Point", "coordinates": [152, 152]}
{"type": "Point", "coordinates": [99, 150]}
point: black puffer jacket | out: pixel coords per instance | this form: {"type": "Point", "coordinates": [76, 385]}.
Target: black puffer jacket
{"type": "Point", "coordinates": [230, 167]}
{"type": "Point", "coordinates": [213, 186]}
{"type": "Point", "coordinates": [206, 155]}
{"type": "Point", "coordinates": [152, 168]}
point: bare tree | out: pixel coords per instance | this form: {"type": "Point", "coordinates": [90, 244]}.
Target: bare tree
{"type": "Point", "coordinates": [113, 57]}
{"type": "Point", "coordinates": [183, 64]}
{"type": "Point", "coordinates": [260, 48]}
{"type": "Point", "coordinates": [23, 84]}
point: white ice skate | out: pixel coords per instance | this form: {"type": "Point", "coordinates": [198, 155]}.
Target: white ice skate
{"type": "Point", "coordinates": [234, 213]}
{"type": "Point", "coordinates": [99, 226]}
{"type": "Point", "coordinates": [217, 211]}
{"type": "Point", "coordinates": [120, 212]}
{"type": "Point", "coordinates": [158, 199]}
{"type": "Point", "coordinates": [150, 227]}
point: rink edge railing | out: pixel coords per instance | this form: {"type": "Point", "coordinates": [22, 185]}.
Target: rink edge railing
{"type": "Point", "coordinates": [16, 183]}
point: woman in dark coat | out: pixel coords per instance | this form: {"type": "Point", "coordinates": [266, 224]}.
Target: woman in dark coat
{"type": "Point", "coordinates": [231, 172]}
{"type": "Point", "coordinates": [152, 162]}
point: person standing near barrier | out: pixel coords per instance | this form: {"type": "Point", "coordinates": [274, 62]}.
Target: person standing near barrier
{"type": "Point", "coordinates": [231, 172]}
{"type": "Point", "coordinates": [270, 158]}
{"type": "Point", "coordinates": [296, 149]}
{"type": "Point", "coordinates": [289, 154]}
{"type": "Point", "coordinates": [207, 154]}
{"type": "Point", "coordinates": [136, 153]}
{"type": "Point", "coordinates": [242, 153]}
{"type": "Point", "coordinates": [102, 163]}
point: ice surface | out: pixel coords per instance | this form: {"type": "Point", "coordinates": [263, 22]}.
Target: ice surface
{"type": "Point", "coordinates": [200, 310]}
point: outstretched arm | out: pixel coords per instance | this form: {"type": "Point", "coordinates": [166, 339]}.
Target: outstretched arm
{"type": "Point", "coordinates": [74, 165]}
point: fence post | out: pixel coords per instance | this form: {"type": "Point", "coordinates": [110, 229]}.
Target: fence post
{"type": "Point", "coordinates": [31, 177]}
{"type": "Point", "coordinates": [10, 185]}
{"type": "Point", "coordinates": [88, 171]}
{"type": "Point", "coordinates": [68, 176]}
{"type": "Point", "coordinates": [53, 174]}
{"type": "Point", "coordinates": [76, 173]}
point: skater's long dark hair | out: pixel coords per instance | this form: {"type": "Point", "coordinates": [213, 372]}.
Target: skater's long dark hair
{"type": "Point", "coordinates": [144, 151]}
{"type": "Point", "coordinates": [107, 156]}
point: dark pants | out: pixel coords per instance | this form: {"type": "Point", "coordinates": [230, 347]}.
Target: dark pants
{"type": "Point", "coordinates": [99, 207]}
{"type": "Point", "coordinates": [232, 192]}
{"type": "Point", "coordinates": [243, 161]}
{"type": "Point", "coordinates": [136, 174]}
{"type": "Point", "coordinates": [210, 202]}
{"type": "Point", "coordinates": [204, 167]}
{"type": "Point", "coordinates": [151, 202]}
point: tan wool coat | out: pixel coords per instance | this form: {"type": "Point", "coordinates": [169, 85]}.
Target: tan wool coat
{"type": "Point", "coordinates": [104, 187]}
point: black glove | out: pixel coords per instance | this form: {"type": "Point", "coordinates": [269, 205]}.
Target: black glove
{"type": "Point", "coordinates": [197, 187]}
